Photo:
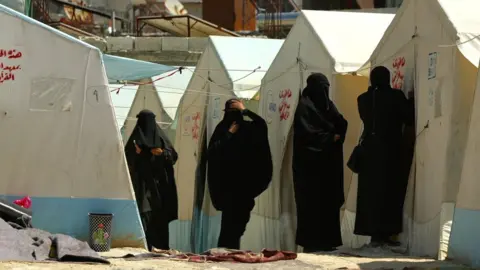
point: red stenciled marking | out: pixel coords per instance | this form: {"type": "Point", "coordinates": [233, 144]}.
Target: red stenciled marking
{"type": "Point", "coordinates": [398, 75]}
{"type": "Point", "coordinates": [284, 107]}
{"type": "Point", "coordinates": [196, 126]}
{"type": "Point", "coordinates": [7, 71]}
{"type": "Point", "coordinates": [10, 54]}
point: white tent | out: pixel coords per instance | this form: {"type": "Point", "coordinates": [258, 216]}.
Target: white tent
{"type": "Point", "coordinates": [170, 91]}
{"type": "Point", "coordinates": [60, 144]}
{"type": "Point", "coordinates": [160, 94]}
{"type": "Point", "coordinates": [465, 237]}
{"type": "Point", "coordinates": [122, 100]}
{"type": "Point", "coordinates": [229, 67]}
{"type": "Point", "coordinates": [336, 44]}
{"type": "Point", "coordinates": [431, 47]}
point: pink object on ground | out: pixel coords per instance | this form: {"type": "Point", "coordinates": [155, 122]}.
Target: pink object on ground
{"type": "Point", "coordinates": [230, 255]}
{"type": "Point", "coordinates": [25, 202]}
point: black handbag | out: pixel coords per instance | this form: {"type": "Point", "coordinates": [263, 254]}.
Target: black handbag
{"type": "Point", "coordinates": [355, 161]}
{"type": "Point", "coordinates": [358, 154]}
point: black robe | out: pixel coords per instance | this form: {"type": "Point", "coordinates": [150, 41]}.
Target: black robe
{"type": "Point", "coordinates": [239, 165]}
{"type": "Point", "coordinates": [239, 169]}
{"type": "Point", "coordinates": [383, 178]}
{"type": "Point", "coordinates": [153, 178]}
{"type": "Point", "coordinates": [318, 171]}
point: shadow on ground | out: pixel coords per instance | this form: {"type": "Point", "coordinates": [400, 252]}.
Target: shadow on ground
{"type": "Point", "coordinates": [384, 265]}
{"type": "Point", "coordinates": [375, 259]}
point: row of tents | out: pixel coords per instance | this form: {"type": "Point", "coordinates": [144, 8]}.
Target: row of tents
{"type": "Point", "coordinates": [432, 47]}
{"type": "Point", "coordinates": [60, 142]}
{"type": "Point", "coordinates": [72, 161]}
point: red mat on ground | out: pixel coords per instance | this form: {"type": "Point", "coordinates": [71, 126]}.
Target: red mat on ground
{"type": "Point", "coordinates": [229, 255]}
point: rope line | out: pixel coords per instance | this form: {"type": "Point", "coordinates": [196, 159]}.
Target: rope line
{"type": "Point", "coordinates": [288, 70]}
{"type": "Point", "coordinates": [303, 67]}
{"type": "Point", "coordinates": [150, 82]}
{"type": "Point", "coordinates": [304, 64]}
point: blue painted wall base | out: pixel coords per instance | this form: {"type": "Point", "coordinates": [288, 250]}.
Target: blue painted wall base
{"type": "Point", "coordinates": [70, 216]}
{"type": "Point", "coordinates": [465, 237]}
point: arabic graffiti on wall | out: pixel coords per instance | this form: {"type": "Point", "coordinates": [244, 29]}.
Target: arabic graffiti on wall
{"type": "Point", "coordinates": [8, 67]}
{"type": "Point", "coordinates": [284, 107]}
{"type": "Point", "coordinates": [196, 126]}
{"type": "Point", "coordinates": [398, 72]}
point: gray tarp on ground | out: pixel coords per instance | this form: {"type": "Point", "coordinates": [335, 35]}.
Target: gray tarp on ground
{"type": "Point", "coordinates": [37, 245]}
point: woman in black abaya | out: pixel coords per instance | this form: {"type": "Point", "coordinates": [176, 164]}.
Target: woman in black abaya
{"type": "Point", "coordinates": [150, 157]}
{"type": "Point", "coordinates": [237, 144]}
{"type": "Point", "coordinates": [319, 133]}
{"type": "Point", "coordinates": [383, 176]}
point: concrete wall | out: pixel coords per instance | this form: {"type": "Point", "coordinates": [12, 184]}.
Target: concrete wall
{"type": "Point", "coordinates": [175, 51]}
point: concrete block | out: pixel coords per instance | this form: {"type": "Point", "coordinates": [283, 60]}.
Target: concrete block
{"type": "Point", "coordinates": [175, 44]}
{"type": "Point", "coordinates": [148, 44]}
{"type": "Point", "coordinates": [98, 42]}
{"type": "Point", "coordinates": [116, 44]}
{"type": "Point", "coordinates": [172, 58]}
{"type": "Point", "coordinates": [197, 44]}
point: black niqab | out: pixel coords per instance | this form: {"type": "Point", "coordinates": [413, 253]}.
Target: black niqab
{"type": "Point", "coordinates": [239, 169]}
{"type": "Point", "coordinates": [232, 115]}
{"type": "Point", "coordinates": [382, 180]}
{"type": "Point", "coordinates": [240, 164]}
{"type": "Point", "coordinates": [317, 91]}
{"type": "Point", "coordinates": [150, 135]}
{"type": "Point", "coordinates": [318, 166]}
{"type": "Point", "coordinates": [153, 178]}
{"type": "Point", "coordinates": [380, 77]}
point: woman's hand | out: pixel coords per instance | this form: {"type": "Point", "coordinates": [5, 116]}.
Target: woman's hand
{"type": "Point", "coordinates": [237, 105]}
{"type": "Point", "coordinates": [233, 128]}
{"type": "Point", "coordinates": [156, 151]}
{"type": "Point", "coordinates": [138, 150]}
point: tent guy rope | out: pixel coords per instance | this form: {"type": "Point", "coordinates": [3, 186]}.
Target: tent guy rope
{"type": "Point", "coordinates": [152, 82]}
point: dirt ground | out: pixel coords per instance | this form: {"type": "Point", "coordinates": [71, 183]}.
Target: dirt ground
{"type": "Point", "coordinates": [345, 260]}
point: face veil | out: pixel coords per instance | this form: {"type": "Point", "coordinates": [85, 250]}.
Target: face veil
{"type": "Point", "coordinates": [232, 115]}
{"type": "Point", "coordinates": [317, 91]}
{"type": "Point", "coordinates": [148, 131]}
